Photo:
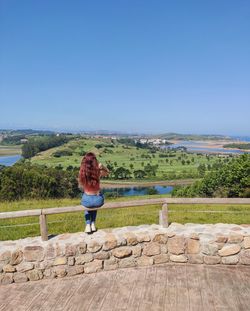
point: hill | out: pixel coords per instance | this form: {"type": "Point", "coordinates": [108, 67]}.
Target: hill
{"type": "Point", "coordinates": [126, 160]}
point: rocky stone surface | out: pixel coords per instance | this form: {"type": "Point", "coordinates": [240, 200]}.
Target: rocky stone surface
{"type": "Point", "coordinates": [246, 243]}
{"type": "Point", "coordinates": [230, 260]}
{"type": "Point", "coordinates": [176, 245]}
{"type": "Point", "coordinates": [229, 250]}
{"type": "Point", "coordinates": [70, 254]}
{"type": "Point", "coordinates": [152, 249]}
{"type": "Point", "coordinates": [122, 252]}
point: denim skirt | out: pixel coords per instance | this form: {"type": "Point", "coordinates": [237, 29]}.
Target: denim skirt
{"type": "Point", "coordinates": [95, 200]}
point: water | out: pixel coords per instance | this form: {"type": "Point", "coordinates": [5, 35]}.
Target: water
{"type": "Point", "coordinates": [197, 146]}
{"type": "Point", "coordinates": [9, 160]}
{"type": "Point", "coordinates": [134, 191]}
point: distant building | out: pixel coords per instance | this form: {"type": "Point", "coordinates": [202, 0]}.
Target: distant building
{"type": "Point", "coordinates": [23, 140]}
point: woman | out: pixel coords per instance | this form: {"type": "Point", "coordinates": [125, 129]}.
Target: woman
{"type": "Point", "coordinates": [89, 181]}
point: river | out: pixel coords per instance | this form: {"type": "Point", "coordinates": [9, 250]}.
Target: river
{"type": "Point", "coordinates": [133, 191]}
{"type": "Point", "coordinates": [9, 160]}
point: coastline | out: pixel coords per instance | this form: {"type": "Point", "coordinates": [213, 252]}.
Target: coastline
{"type": "Point", "coordinates": [211, 144]}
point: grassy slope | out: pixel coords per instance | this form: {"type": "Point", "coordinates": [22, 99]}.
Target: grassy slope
{"type": "Point", "coordinates": [123, 156]}
{"type": "Point", "coordinates": [73, 222]}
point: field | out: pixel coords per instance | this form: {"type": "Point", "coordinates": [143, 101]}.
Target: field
{"type": "Point", "coordinates": [73, 222]}
{"type": "Point", "coordinates": [9, 150]}
{"type": "Point", "coordinates": [174, 164]}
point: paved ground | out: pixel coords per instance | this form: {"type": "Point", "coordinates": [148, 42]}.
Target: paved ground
{"type": "Point", "coordinates": [165, 287]}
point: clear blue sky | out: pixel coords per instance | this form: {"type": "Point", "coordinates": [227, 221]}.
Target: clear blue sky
{"type": "Point", "coordinates": [128, 65]}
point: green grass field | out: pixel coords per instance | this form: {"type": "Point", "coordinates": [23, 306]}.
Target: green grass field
{"type": "Point", "coordinates": [9, 150]}
{"type": "Point", "coordinates": [128, 157]}
{"type": "Point", "coordinates": [73, 222]}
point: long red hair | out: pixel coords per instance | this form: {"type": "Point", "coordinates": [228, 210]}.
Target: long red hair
{"type": "Point", "coordinates": [89, 174]}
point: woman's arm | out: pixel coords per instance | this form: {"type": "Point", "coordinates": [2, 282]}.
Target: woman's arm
{"type": "Point", "coordinates": [103, 170]}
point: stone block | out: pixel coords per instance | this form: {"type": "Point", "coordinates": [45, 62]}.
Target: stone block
{"type": "Point", "coordinates": [33, 253]}
{"type": "Point", "coordinates": [176, 245]}
{"type": "Point", "coordinates": [161, 258]}
{"type": "Point", "coordinates": [110, 242]}
{"type": "Point", "coordinates": [110, 264]}
{"type": "Point", "coordinates": [20, 277]}
{"type": "Point", "coordinates": [193, 246]}
{"type": "Point", "coordinates": [221, 239]}
{"type": "Point", "coordinates": [151, 249]}
{"type": "Point", "coordinates": [209, 249]}
{"type": "Point", "coordinates": [235, 238]}
{"type": "Point", "coordinates": [122, 252]}
{"type": "Point", "coordinates": [127, 262]}
{"type": "Point", "coordinates": [71, 261]}
{"type": "Point", "coordinates": [6, 278]}
{"type": "Point", "coordinates": [75, 270]}
{"type": "Point", "coordinates": [212, 260]}
{"type": "Point", "coordinates": [131, 238]}
{"type": "Point", "coordinates": [94, 246]}
{"type": "Point", "coordinates": [164, 249]}
{"type": "Point", "coordinates": [229, 250]}
{"type": "Point", "coordinates": [60, 271]}
{"type": "Point", "coordinates": [24, 266]}
{"type": "Point", "coordinates": [195, 259]}
{"type": "Point", "coordinates": [50, 252]}
{"type": "Point", "coordinates": [16, 257]}
{"type": "Point", "coordinates": [70, 250]}
{"type": "Point", "coordinates": [246, 242]}
{"type": "Point", "coordinates": [160, 238]}
{"type": "Point", "coordinates": [60, 261]}
{"type": "Point", "coordinates": [136, 250]}
{"type": "Point", "coordinates": [102, 255]}
{"type": "Point", "coordinates": [93, 266]}
{"type": "Point", "coordinates": [121, 241]}
{"type": "Point", "coordinates": [49, 274]}
{"type": "Point", "coordinates": [179, 258]}
{"type": "Point", "coordinates": [143, 237]}
{"type": "Point", "coordinates": [245, 257]}
{"type": "Point", "coordinates": [34, 275]}
{"type": "Point", "coordinates": [145, 261]}
{"type": "Point", "coordinates": [5, 257]}
{"type": "Point", "coordinates": [230, 260]}
{"type": "Point", "coordinates": [82, 248]}
{"type": "Point", "coordinates": [85, 258]}
{"type": "Point", "coordinates": [9, 268]}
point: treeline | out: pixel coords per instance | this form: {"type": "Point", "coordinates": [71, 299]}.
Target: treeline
{"type": "Point", "coordinates": [125, 173]}
{"type": "Point", "coordinates": [35, 145]}
{"type": "Point", "coordinates": [230, 180]}
{"type": "Point", "coordinates": [24, 180]}
{"type": "Point", "coordinates": [13, 140]}
{"type": "Point", "coordinates": [133, 143]}
{"type": "Point", "coordinates": [238, 146]}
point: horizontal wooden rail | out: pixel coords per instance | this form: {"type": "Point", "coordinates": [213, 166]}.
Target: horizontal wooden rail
{"type": "Point", "coordinates": [163, 214]}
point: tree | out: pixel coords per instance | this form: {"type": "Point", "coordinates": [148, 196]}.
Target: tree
{"type": "Point", "coordinates": [139, 174]}
{"type": "Point", "coordinates": [122, 173]}
{"type": "Point", "coordinates": [229, 180]}
{"type": "Point", "coordinates": [201, 169]}
{"type": "Point", "coordinates": [150, 170]}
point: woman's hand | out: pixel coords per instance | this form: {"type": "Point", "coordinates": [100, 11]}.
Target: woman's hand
{"type": "Point", "coordinates": [103, 170]}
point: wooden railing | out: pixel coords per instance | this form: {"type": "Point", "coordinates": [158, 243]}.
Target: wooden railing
{"type": "Point", "coordinates": [163, 213]}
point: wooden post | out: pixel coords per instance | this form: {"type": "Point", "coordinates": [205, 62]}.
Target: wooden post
{"type": "Point", "coordinates": [164, 215]}
{"type": "Point", "coordinates": [43, 227]}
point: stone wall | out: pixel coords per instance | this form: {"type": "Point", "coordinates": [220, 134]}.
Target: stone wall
{"type": "Point", "coordinates": [70, 254]}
